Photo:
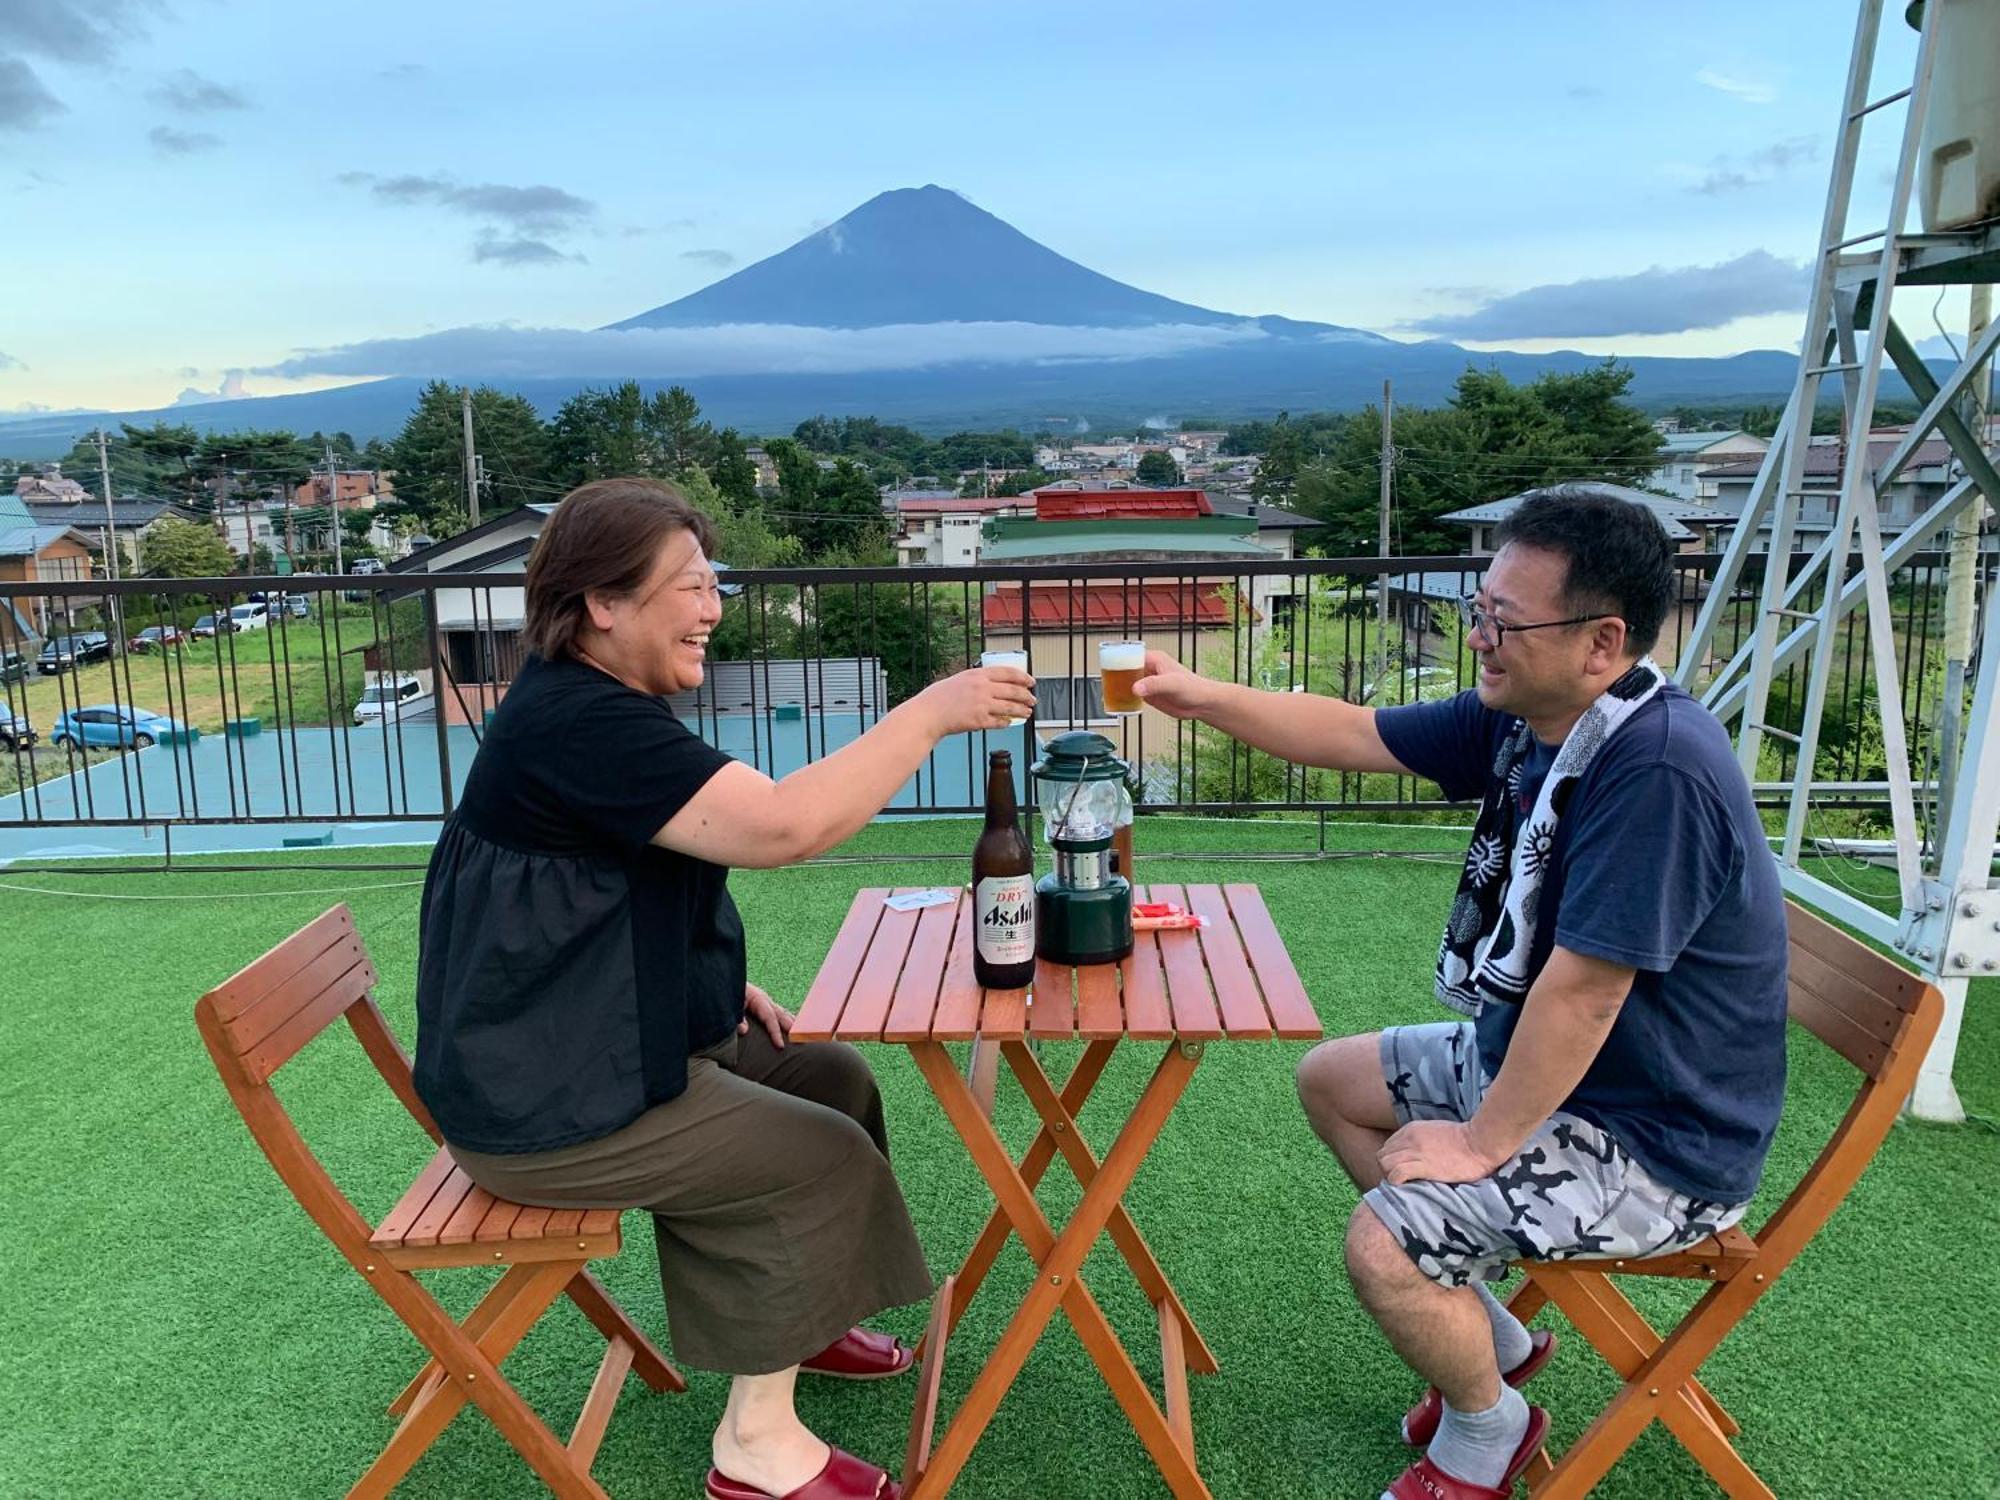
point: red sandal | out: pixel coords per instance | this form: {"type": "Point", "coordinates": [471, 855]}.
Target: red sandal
{"type": "Point", "coordinates": [1424, 1480]}
{"type": "Point", "coordinates": [862, 1354]}
{"type": "Point", "coordinates": [1420, 1422]}
{"type": "Point", "coordinates": [845, 1477]}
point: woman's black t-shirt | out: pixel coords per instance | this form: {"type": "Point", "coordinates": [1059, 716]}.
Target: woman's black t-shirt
{"type": "Point", "coordinates": [568, 965]}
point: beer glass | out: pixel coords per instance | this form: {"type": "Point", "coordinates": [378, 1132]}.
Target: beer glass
{"type": "Point", "coordinates": [1122, 663]}
{"type": "Point", "coordinates": [1005, 659]}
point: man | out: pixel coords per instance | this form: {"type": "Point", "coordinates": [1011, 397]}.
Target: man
{"type": "Point", "coordinates": [1616, 948]}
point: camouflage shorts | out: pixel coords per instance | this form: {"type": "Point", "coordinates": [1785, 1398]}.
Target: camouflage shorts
{"type": "Point", "coordinates": [1571, 1192]}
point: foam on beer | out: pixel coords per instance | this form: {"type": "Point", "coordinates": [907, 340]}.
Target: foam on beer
{"type": "Point", "coordinates": [1122, 656]}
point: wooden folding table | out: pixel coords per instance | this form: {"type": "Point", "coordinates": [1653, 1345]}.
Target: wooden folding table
{"type": "Point", "coordinates": [906, 976]}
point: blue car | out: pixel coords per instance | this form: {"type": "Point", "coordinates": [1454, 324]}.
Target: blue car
{"type": "Point", "coordinates": [113, 726]}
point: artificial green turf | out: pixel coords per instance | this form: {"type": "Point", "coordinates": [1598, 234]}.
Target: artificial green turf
{"type": "Point", "coordinates": [175, 1326]}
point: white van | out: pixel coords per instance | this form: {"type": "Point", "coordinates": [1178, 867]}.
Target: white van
{"type": "Point", "coordinates": [250, 617]}
{"type": "Point", "coordinates": [398, 698]}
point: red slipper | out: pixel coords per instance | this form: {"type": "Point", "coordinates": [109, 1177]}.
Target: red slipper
{"type": "Point", "coordinates": [862, 1354]}
{"type": "Point", "coordinates": [1420, 1422]}
{"type": "Point", "coordinates": [1424, 1480]}
{"type": "Point", "coordinates": [845, 1477]}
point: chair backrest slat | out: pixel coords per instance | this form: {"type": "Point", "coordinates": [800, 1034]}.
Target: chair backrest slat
{"type": "Point", "coordinates": [1845, 993]}
{"type": "Point", "coordinates": [269, 1010]}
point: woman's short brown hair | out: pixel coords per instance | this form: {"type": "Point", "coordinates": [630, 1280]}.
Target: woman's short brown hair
{"type": "Point", "coordinates": [604, 538]}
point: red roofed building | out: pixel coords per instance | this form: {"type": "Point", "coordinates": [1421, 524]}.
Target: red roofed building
{"type": "Point", "coordinates": [1121, 505]}
{"type": "Point", "coordinates": [1113, 608]}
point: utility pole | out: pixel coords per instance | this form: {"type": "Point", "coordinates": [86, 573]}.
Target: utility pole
{"type": "Point", "coordinates": [1382, 545]}
{"type": "Point", "coordinates": [471, 460]}
{"type": "Point", "coordinates": [110, 520]}
{"type": "Point", "coordinates": [333, 504]}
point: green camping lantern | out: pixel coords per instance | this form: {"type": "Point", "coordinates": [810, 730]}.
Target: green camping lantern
{"type": "Point", "coordinates": [1083, 912]}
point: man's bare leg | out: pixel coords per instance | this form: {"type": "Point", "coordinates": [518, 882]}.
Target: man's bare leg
{"type": "Point", "coordinates": [1346, 1100]}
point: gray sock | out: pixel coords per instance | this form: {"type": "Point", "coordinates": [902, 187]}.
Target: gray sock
{"type": "Point", "coordinates": [1477, 1446]}
{"type": "Point", "coordinates": [1511, 1340]}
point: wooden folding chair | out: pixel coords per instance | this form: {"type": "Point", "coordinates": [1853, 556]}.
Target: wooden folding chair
{"type": "Point", "coordinates": [254, 1023]}
{"type": "Point", "coordinates": [1881, 1018]}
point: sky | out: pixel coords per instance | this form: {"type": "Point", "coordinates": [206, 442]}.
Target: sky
{"type": "Point", "coordinates": [204, 193]}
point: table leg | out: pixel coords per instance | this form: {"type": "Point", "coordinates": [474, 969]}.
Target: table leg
{"type": "Point", "coordinates": [1059, 1258]}
{"type": "Point", "coordinates": [1059, 1123]}
{"type": "Point", "coordinates": [1082, 1079]}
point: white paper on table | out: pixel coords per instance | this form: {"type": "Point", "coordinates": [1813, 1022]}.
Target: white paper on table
{"type": "Point", "coordinates": [914, 900]}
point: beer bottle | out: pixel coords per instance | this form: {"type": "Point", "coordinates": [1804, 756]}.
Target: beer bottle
{"type": "Point", "coordinates": [1003, 887]}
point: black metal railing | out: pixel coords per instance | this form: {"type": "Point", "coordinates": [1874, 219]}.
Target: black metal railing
{"type": "Point", "coordinates": [354, 701]}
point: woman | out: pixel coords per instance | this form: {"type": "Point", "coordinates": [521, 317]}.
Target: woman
{"type": "Point", "coordinates": [587, 1036]}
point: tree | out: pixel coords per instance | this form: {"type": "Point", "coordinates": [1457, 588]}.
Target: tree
{"type": "Point", "coordinates": [683, 440]}
{"type": "Point", "coordinates": [1158, 469]}
{"type": "Point", "coordinates": [1284, 452]}
{"type": "Point", "coordinates": [428, 455]}
{"type": "Point", "coordinates": [734, 475]}
{"type": "Point", "coordinates": [173, 548]}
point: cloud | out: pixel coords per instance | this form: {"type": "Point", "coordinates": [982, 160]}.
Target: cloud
{"type": "Point", "coordinates": [1659, 300]}
{"type": "Point", "coordinates": [538, 209]}
{"type": "Point", "coordinates": [188, 93]}
{"type": "Point", "coordinates": [24, 103]}
{"type": "Point", "coordinates": [70, 31]}
{"type": "Point", "coordinates": [492, 249]}
{"type": "Point", "coordinates": [231, 389]}
{"type": "Point", "coordinates": [1767, 164]}
{"type": "Point", "coordinates": [8, 362]}
{"type": "Point", "coordinates": [63, 31]}
{"type": "Point", "coordinates": [722, 260]}
{"type": "Point", "coordinates": [1749, 90]}
{"type": "Point", "coordinates": [670, 226]}
{"type": "Point", "coordinates": [1584, 91]}
{"type": "Point", "coordinates": [403, 72]}
{"type": "Point", "coordinates": [747, 349]}
{"type": "Point", "coordinates": [171, 142]}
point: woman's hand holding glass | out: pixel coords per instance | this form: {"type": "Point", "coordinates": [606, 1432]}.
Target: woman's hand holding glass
{"type": "Point", "coordinates": [979, 698]}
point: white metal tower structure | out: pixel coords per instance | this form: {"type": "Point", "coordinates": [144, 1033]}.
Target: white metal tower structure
{"type": "Point", "coordinates": [1949, 924]}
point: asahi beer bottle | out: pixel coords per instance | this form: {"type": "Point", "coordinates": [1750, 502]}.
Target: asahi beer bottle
{"type": "Point", "coordinates": [1003, 887]}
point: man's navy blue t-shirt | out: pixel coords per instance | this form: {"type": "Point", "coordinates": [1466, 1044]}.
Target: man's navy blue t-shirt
{"type": "Point", "coordinates": [1660, 863]}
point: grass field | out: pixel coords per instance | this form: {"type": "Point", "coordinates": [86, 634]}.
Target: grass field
{"type": "Point", "coordinates": [176, 1327]}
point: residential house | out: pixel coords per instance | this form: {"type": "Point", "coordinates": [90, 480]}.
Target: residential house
{"type": "Point", "coordinates": [1923, 481]}
{"type": "Point", "coordinates": [46, 554]}
{"type": "Point", "coordinates": [1689, 526]}
{"type": "Point", "coordinates": [1683, 455]}
{"type": "Point", "coordinates": [479, 628]}
{"type": "Point", "coordinates": [131, 518]}
{"type": "Point", "coordinates": [49, 486]}
{"type": "Point", "coordinates": [942, 529]}
{"type": "Point", "coordinates": [357, 490]}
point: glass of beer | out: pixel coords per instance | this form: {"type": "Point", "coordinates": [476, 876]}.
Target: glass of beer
{"type": "Point", "coordinates": [1005, 659]}
{"type": "Point", "coordinates": [1122, 663]}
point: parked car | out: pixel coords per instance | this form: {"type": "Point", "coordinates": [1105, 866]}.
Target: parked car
{"type": "Point", "coordinates": [61, 652]}
{"type": "Point", "coordinates": [362, 567]}
{"type": "Point", "coordinates": [204, 629]}
{"type": "Point", "coordinates": [112, 726]}
{"type": "Point", "coordinates": [298, 606]}
{"type": "Point", "coordinates": [16, 733]}
{"type": "Point", "coordinates": [402, 698]}
{"type": "Point", "coordinates": [157, 637]}
{"type": "Point", "coordinates": [14, 666]}
{"type": "Point", "coordinates": [253, 616]}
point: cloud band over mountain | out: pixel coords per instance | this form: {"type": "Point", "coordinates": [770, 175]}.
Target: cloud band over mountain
{"type": "Point", "coordinates": [1663, 299]}
{"type": "Point", "coordinates": [748, 349]}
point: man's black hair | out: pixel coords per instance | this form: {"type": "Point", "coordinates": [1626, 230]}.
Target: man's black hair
{"type": "Point", "coordinates": [1620, 561]}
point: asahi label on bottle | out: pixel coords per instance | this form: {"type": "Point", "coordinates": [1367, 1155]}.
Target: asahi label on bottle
{"type": "Point", "coordinates": [1004, 908]}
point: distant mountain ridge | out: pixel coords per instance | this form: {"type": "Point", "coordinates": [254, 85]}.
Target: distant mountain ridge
{"type": "Point", "coordinates": [926, 256]}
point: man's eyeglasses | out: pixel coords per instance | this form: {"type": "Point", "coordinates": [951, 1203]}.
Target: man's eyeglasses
{"type": "Point", "coordinates": [1495, 630]}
